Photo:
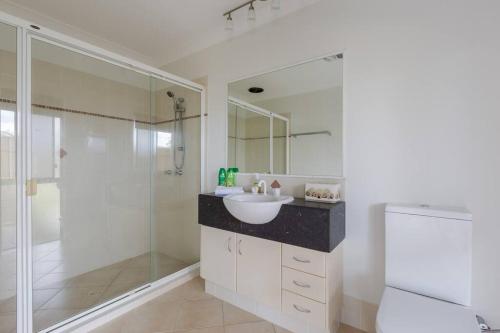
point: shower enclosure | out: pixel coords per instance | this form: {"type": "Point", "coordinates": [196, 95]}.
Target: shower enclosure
{"type": "Point", "coordinates": [101, 164]}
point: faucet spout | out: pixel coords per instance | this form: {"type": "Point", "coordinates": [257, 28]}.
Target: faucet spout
{"type": "Point", "coordinates": [263, 182]}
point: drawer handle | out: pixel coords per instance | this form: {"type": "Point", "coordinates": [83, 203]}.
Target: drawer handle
{"type": "Point", "coordinates": [229, 244]}
{"type": "Point", "coordinates": [301, 309]}
{"type": "Point", "coordinates": [304, 261]}
{"type": "Point", "coordinates": [300, 284]}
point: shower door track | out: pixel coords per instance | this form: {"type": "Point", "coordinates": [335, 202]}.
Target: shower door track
{"type": "Point", "coordinates": [26, 32]}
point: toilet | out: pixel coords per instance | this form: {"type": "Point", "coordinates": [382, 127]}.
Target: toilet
{"type": "Point", "coordinates": [428, 271]}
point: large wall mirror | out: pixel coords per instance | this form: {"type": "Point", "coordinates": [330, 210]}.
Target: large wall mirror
{"type": "Point", "coordinates": [288, 121]}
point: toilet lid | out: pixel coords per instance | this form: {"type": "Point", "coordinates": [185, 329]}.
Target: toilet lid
{"type": "Point", "coordinates": [402, 311]}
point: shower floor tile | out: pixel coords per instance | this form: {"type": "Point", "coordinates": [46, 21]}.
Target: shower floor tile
{"type": "Point", "coordinates": [57, 297]}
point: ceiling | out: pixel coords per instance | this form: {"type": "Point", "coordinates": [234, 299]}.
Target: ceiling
{"type": "Point", "coordinates": [152, 31]}
{"type": "Point", "coordinates": [309, 77]}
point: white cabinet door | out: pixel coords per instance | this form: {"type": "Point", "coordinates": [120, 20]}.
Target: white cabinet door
{"type": "Point", "coordinates": [259, 270]}
{"type": "Point", "coordinates": [218, 257]}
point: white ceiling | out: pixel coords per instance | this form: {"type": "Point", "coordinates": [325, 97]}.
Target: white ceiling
{"type": "Point", "coordinates": [312, 76]}
{"type": "Point", "coordinates": [152, 31]}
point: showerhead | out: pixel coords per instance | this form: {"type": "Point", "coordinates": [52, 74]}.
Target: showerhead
{"type": "Point", "coordinates": [170, 94]}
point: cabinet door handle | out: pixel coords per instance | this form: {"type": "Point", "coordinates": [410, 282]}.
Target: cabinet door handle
{"type": "Point", "coordinates": [300, 284]}
{"type": "Point", "coordinates": [229, 244]}
{"type": "Point", "coordinates": [239, 247]}
{"type": "Point", "coordinates": [301, 309]}
{"type": "Point", "coordinates": [304, 261]}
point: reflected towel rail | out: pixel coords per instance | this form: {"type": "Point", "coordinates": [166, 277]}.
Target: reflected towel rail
{"type": "Point", "coordinates": [293, 135]}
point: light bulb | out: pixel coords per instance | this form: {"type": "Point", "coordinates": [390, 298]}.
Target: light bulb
{"type": "Point", "coordinates": [229, 23]}
{"type": "Point", "coordinates": [251, 13]}
{"type": "Point", "coordinates": [275, 4]}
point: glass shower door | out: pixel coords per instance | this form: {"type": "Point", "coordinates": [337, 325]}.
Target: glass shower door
{"type": "Point", "coordinates": [91, 162]}
{"type": "Point", "coordinates": [8, 177]}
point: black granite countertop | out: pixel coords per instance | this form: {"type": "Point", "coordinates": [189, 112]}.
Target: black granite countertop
{"type": "Point", "coordinates": [313, 225]}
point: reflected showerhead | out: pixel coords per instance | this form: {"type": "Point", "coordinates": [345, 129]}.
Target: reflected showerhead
{"type": "Point", "coordinates": [170, 94]}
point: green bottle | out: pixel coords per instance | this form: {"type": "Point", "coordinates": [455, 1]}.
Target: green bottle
{"type": "Point", "coordinates": [230, 178]}
{"type": "Point", "coordinates": [222, 177]}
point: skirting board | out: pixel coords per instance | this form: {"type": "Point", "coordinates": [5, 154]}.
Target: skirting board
{"type": "Point", "coordinates": [355, 313]}
{"type": "Point", "coordinates": [115, 309]}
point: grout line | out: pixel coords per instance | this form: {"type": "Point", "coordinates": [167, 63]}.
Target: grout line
{"type": "Point", "coordinates": [56, 108]}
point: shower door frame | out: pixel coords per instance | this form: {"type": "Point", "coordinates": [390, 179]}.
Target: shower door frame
{"type": "Point", "coordinates": [26, 32]}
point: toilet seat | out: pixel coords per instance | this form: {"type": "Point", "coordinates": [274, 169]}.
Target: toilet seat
{"type": "Point", "coordinates": [404, 312]}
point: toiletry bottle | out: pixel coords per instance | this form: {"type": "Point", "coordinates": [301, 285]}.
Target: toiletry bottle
{"type": "Point", "coordinates": [235, 172]}
{"type": "Point", "coordinates": [222, 177]}
{"type": "Point", "coordinates": [230, 177]}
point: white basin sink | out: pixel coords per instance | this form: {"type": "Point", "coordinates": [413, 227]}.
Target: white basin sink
{"type": "Point", "coordinates": [255, 208]}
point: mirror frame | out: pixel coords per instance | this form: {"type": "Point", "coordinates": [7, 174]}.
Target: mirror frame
{"type": "Point", "coordinates": [265, 112]}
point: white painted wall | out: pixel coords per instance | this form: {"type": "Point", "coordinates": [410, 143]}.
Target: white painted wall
{"type": "Point", "coordinates": [421, 116]}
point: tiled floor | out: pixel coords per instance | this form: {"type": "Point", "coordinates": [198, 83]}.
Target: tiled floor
{"type": "Point", "coordinates": [189, 309]}
{"type": "Point", "coordinates": [57, 297]}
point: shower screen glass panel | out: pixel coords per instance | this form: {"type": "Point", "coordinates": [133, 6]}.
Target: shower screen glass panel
{"type": "Point", "coordinates": [176, 178]}
{"type": "Point", "coordinates": [91, 167]}
{"type": "Point", "coordinates": [248, 140]}
{"type": "Point", "coordinates": [8, 220]}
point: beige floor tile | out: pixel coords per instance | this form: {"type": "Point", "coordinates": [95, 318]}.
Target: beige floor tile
{"type": "Point", "coordinates": [51, 281]}
{"type": "Point", "coordinates": [151, 318]}
{"type": "Point", "coordinates": [75, 298]}
{"type": "Point", "coordinates": [42, 296]}
{"type": "Point", "coordinates": [217, 329]}
{"type": "Point", "coordinates": [278, 329]}
{"type": "Point", "coordinates": [258, 327]}
{"type": "Point", "coordinates": [234, 315]}
{"type": "Point", "coordinates": [134, 276]}
{"type": "Point", "coordinates": [8, 305]}
{"type": "Point", "coordinates": [46, 318]}
{"type": "Point", "coordinates": [199, 314]}
{"type": "Point", "coordinates": [116, 326]}
{"type": "Point", "coordinates": [193, 290]}
{"type": "Point", "coordinates": [348, 329]}
{"type": "Point", "coordinates": [97, 278]}
{"type": "Point", "coordinates": [116, 289]}
{"type": "Point", "coordinates": [7, 323]}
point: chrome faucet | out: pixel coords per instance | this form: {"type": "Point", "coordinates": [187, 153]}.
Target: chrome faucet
{"type": "Point", "coordinates": [263, 182]}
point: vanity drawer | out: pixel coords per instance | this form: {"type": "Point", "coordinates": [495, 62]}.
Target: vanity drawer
{"type": "Point", "coordinates": [309, 261]}
{"type": "Point", "coordinates": [304, 309]}
{"type": "Point", "coordinates": [310, 286]}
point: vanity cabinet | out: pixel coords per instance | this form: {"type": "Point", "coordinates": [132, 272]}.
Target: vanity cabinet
{"type": "Point", "coordinates": [294, 281]}
{"type": "Point", "coordinates": [249, 265]}
{"type": "Point", "coordinates": [258, 267]}
{"type": "Point", "coordinates": [218, 257]}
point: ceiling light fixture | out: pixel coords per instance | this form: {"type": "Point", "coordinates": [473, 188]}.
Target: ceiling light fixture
{"type": "Point", "coordinates": [229, 23]}
{"type": "Point", "coordinates": [275, 4]}
{"type": "Point", "coordinates": [251, 12]}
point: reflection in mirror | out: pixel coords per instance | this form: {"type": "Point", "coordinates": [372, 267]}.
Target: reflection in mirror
{"type": "Point", "coordinates": [248, 139]}
{"type": "Point", "coordinates": [295, 115]}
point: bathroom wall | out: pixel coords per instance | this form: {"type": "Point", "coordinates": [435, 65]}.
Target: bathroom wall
{"type": "Point", "coordinates": [421, 120]}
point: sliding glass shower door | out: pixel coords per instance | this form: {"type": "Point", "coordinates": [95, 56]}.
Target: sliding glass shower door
{"type": "Point", "coordinates": [8, 177]}
{"type": "Point", "coordinates": [100, 165]}
{"type": "Point", "coordinates": [91, 160]}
